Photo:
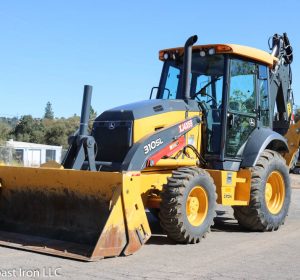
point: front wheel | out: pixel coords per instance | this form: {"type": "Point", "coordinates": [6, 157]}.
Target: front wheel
{"type": "Point", "coordinates": [188, 205]}
{"type": "Point", "coordinates": [270, 194]}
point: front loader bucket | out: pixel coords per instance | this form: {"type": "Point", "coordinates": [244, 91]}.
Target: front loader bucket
{"type": "Point", "coordinates": [76, 214]}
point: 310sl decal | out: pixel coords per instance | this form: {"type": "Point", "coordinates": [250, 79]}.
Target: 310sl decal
{"type": "Point", "coordinates": [152, 145]}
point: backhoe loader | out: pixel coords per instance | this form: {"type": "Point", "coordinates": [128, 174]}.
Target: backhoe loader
{"type": "Point", "coordinates": [211, 133]}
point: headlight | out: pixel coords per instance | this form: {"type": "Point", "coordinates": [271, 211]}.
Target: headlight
{"type": "Point", "coordinates": [211, 51]}
{"type": "Point", "coordinates": [202, 53]}
{"type": "Point", "coordinates": [166, 56]}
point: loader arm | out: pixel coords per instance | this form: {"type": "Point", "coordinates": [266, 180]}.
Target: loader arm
{"type": "Point", "coordinates": [139, 156]}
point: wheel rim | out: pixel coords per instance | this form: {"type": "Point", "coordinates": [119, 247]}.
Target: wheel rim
{"type": "Point", "coordinates": [197, 206]}
{"type": "Point", "coordinates": [275, 192]}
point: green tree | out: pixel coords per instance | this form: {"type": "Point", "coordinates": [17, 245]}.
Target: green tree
{"type": "Point", "coordinates": [58, 131]}
{"type": "Point", "coordinates": [49, 114]}
{"type": "Point", "coordinates": [72, 125]}
{"type": "Point", "coordinates": [4, 132]}
{"type": "Point", "coordinates": [55, 134]}
{"type": "Point", "coordinates": [93, 116]}
{"type": "Point", "coordinates": [29, 129]}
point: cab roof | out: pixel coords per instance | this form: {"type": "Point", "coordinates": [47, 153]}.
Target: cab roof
{"type": "Point", "coordinates": [244, 51]}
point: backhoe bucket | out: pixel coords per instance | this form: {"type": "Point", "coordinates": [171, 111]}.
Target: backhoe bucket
{"type": "Point", "coordinates": [76, 214]}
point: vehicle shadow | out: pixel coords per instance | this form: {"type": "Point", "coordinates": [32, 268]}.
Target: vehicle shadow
{"type": "Point", "coordinates": [222, 223]}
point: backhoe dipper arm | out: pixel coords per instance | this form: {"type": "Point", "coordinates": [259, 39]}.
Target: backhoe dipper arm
{"type": "Point", "coordinates": [281, 78]}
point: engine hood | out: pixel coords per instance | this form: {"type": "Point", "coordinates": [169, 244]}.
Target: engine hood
{"type": "Point", "coordinates": [146, 108]}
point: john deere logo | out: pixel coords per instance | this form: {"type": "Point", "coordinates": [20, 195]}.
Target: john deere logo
{"type": "Point", "coordinates": [252, 122]}
{"type": "Point", "coordinates": [111, 125]}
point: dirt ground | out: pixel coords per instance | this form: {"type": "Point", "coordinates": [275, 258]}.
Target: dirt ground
{"type": "Point", "coordinates": [228, 252]}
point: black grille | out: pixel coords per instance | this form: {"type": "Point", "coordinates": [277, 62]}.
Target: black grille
{"type": "Point", "coordinates": [113, 138]}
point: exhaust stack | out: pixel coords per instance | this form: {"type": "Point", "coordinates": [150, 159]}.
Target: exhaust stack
{"type": "Point", "coordinates": [187, 65]}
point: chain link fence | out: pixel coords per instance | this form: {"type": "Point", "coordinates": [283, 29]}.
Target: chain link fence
{"type": "Point", "coordinates": [11, 156]}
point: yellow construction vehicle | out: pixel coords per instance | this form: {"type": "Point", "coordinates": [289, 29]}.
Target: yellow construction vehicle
{"type": "Point", "coordinates": [213, 134]}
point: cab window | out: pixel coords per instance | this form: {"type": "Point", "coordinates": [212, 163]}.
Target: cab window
{"type": "Point", "coordinates": [172, 83]}
{"type": "Point", "coordinates": [263, 95]}
{"type": "Point", "coordinates": [242, 87]}
{"type": "Point", "coordinates": [241, 115]}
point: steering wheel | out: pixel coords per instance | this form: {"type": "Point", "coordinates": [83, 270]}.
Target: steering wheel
{"type": "Point", "coordinates": [203, 104]}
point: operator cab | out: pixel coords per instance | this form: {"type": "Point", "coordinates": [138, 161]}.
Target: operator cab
{"type": "Point", "coordinates": [232, 92]}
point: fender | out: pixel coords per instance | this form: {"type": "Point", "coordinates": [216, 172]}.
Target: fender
{"type": "Point", "coordinates": [143, 150]}
{"type": "Point", "coordinates": [259, 140]}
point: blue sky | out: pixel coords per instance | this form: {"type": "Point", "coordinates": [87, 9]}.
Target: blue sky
{"type": "Point", "coordinates": [50, 49]}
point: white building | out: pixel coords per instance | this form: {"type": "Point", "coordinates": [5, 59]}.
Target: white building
{"type": "Point", "coordinates": [31, 154]}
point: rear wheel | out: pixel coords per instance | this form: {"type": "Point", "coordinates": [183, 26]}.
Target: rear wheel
{"type": "Point", "coordinates": [270, 194]}
{"type": "Point", "coordinates": [188, 205]}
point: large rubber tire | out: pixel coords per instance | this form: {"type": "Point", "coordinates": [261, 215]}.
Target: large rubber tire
{"type": "Point", "coordinates": [175, 196]}
{"type": "Point", "coordinates": [257, 216]}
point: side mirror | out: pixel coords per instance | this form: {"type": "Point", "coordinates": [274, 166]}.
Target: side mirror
{"type": "Point", "coordinates": [154, 89]}
{"type": "Point", "coordinates": [157, 89]}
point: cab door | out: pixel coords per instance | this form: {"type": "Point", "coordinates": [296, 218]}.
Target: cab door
{"type": "Point", "coordinates": [241, 107]}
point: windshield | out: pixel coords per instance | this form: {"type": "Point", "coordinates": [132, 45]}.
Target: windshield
{"type": "Point", "coordinates": [207, 69]}
{"type": "Point", "coordinates": [206, 87]}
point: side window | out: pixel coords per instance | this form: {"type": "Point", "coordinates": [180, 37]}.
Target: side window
{"type": "Point", "coordinates": [172, 83]}
{"type": "Point", "coordinates": [263, 96]}
{"type": "Point", "coordinates": [19, 156]}
{"type": "Point", "coordinates": [50, 155]}
{"type": "Point", "coordinates": [242, 87]}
